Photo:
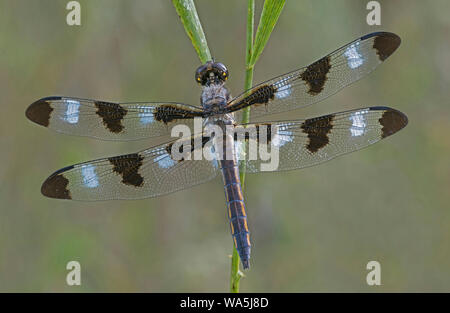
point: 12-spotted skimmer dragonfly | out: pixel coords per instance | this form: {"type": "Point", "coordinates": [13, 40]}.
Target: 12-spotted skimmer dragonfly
{"type": "Point", "coordinates": [156, 171]}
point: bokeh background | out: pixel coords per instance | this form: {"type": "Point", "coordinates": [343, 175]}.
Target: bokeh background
{"type": "Point", "coordinates": [312, 230]}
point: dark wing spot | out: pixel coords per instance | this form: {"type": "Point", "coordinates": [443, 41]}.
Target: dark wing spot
{"type": "Point", "coordinates": [40, 111]}
{"type": "Point", "coordinates": [317, 130]}
{"type": "Point", "coordinates": [169, 148]}
{"type": "Point", "coordinates": [260, 95]}
{"type": "Point", "coordinates": [56, 187]}
{"type": "Point", "coordinates": [128, 166]}
{"type": "Point", "coordinates": [392, 121]}
{"type": "Point", "coordinates": [169, 112]}
{"type": "Point", "coordinates": [189, 143]}
{"type": "Point", "coordinates": [315, 75]}
{"type": "Point", "coordinates": [112, 115]}
{"type": "Point", "coordinates": [180, 151]}
{"type": "Point", "coordinates": [385, 44]}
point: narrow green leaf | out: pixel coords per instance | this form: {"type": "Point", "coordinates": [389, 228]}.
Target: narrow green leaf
{"type": "Point", "coordinates": [269, 17]}
{"type": "Point", "coordinates": [188, 14]}
{"type": "Point", "coordinates": [271, 11]}
{"type": "Point", "coordinates": [250, 31]}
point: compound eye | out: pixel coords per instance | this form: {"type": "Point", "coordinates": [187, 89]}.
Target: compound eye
{"type": "Point", "coordinates": [222, 70]}
{"type": "Point", "coordinates": [199, 73]}
{"type": "Point", "coordinates": [221, 67]}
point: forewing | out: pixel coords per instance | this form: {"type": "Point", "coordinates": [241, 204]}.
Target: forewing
{"type": "Point", "coordinates": [149, 173]}
{"type": "Point", "coordinates": [305, 143]}
{"type": "Point", "coordinates": [319, 80]}
{"type": "Point", "coordinates": [110, 121]}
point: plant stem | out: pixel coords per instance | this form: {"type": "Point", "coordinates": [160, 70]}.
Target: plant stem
{"type": "Point", "coordinates": [271, 11]}
{"type": "Point", "coordinates": [236, 274]}
{"type": "Point", "coordinates": [188, 14]}
{"type": "Point", "coordinates": [248, 72]}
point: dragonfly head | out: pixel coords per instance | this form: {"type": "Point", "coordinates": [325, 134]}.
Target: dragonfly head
{"type": "Point", "coordinates": [211, 73]}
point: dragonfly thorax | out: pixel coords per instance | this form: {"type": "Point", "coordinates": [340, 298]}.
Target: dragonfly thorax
{"type": "Point", "coordinates": [214, 97]}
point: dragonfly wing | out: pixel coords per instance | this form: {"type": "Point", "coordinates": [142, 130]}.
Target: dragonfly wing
{"type": "Point", "coordinates": [108, 120]}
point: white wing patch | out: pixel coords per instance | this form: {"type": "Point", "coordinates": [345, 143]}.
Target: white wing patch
{"type": "Point", "coordinates": [282, 136]}
{"type": "Point", "coordinates": [72, 111]}
{"type": "Point", "coordinates": [164, 161]}
{"type": "Point", "coordinates": [90, 178]}
{"type": "Point", "coordinates": [358, 120]}
{"type": "Point", "coordinates": [354, 58]}
{"type": "Point", "coordinates": [284, 89]}
{"type": "Point", "coordinates": [146, 115]}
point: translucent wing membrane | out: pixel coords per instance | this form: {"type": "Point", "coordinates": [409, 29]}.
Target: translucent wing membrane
{"type": "Point", "coordinates": [319, 80]}
{"type": "Point", "coordinates": [110, 121]}
{"type": "Point", "coordinates": [160, 170]}
{"type": "Point", "coordinates": [305, 143]}
{"type": "Point", "coordinates": [129, 121]}
{"type": "Point", "coordinates": [149, 173]}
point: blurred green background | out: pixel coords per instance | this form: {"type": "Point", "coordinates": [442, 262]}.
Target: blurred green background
{"type": "Point", "coordinates": [312, 230]}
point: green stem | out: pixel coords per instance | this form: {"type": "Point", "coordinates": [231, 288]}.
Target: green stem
{"type": "Point", "coordinates": [246, 117]}
{"type": "Point", "coordinates": [248, 72]}
{"type": "Point", "coordinates": [189, 17]}
{"type": "Point", "coordinates": [188, 14]}
{"type": "Point", "coordinates": [236, 274]}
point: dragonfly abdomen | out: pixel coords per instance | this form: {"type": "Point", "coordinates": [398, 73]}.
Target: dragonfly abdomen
{"type": "Point", "coordinates": [236, 210]}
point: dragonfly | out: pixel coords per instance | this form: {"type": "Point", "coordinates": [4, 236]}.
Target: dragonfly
{"type": "Point", "coordinates": [170, 167]}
